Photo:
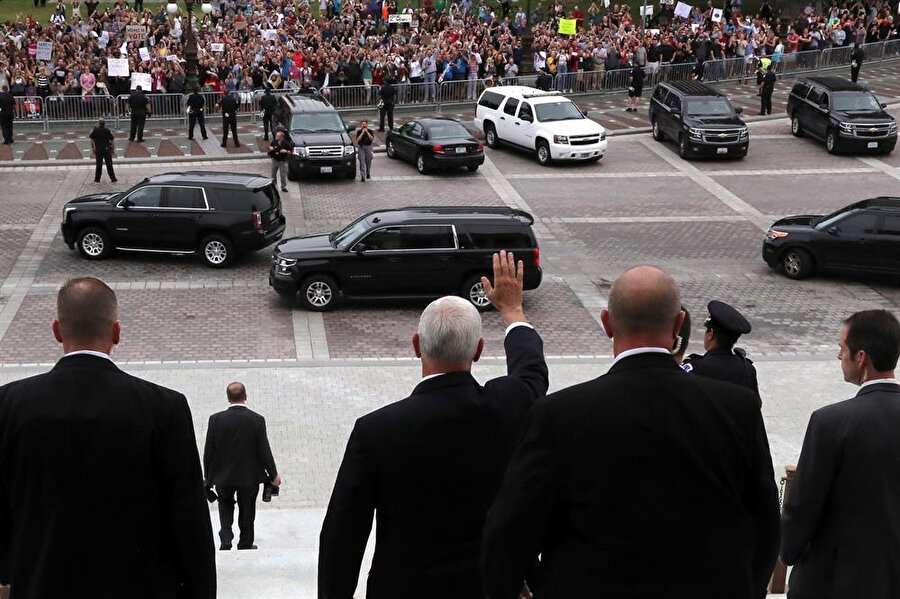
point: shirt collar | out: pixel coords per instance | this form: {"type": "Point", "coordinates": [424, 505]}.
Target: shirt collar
{"type": "Point", "coordinates": [88, 352]}
{"type": "Point", "coordinates": [892, 381]}
{"type": "Point", "coordinates": [641, 350]}
{"type": "Point", "coordinates": [432, 376]}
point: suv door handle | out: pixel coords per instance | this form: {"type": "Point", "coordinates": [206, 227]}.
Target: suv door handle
{"type": "Point", "coordinates": [502, 118]}
{"type": "Point", "coordinates": [393, 259]}
{"type": "Point", "coordinates": [518, 123]}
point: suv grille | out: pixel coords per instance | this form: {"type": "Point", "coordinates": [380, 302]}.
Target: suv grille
{"type": "Point", "coordinates": [872, 129]}
{"type": "Point", "coordinates": [325, 151]}
{"type": "Point", "coordinates": [721, 136]}
{"type": "Point", "coordinates": [584, 140]}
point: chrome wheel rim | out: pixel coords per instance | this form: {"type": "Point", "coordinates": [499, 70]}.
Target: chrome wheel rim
{"type": "Point", "coordinates": [543, 154]}
{"type": "Point", "coordinates": [318, 294]}
{"type": "Point", "coordinates": [92, 244]}
{"type": "Point", "coordinates": [792, 264]}
{"type": "Point", "coordinates": [390, 149]}
{"type": "Point", "coordinates": [489, 137]}
{"type": "Point", "coordinates": [477, 295]}
{"type": "Point", "coordinates": [829, 142]}
{"type": "Point", "coordinates": [655, 130]}
{"type": "Point", "coordinates": [420, 164]}
{"type": "Point", "coordinates": [215, 252]}
{"type": "Point", "coordinates": [795, 125]}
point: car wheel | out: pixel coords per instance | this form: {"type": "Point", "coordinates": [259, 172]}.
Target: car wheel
{"type": "Point", "coordinates": [796, 263]}
{"type": "Point", "coordinates": [473, 290]}
{"type": "Point", "coordinates": [683, 147]}
{"type": "Point", "coordinates": [93, 243]}
{"type": "Point", "coordinates": [472, 168]}
{"type": "Point", "coordinates": [293, 171]}
{"type": "Point", "coordinates": [796, 129]}
{"type": "Point", "coordinates": [831, 142]}
{"type": "Point", "coordinates": [543, 153]}
{"type": "Point", "coordinates": [658, 135]}
{"type": "Point", "coordinates": [390, 149]}
{"type": "Point", "coordinates": [490, 136]}
{"type": "Point", "coordinates": [319, 293]}
{"type": "Point", "coordinates": [217, 251]}
{"type": "Point", "coordinates": [420, 164]}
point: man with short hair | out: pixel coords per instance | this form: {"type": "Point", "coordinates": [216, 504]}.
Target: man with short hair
{"type": "Point", "coordinates": [103, 146]}
{"type": "Point", "coordinates": [196, 104]}
{"type": "Point", "coordinates": [280, 151]}
{"type": "Point", "coordinates": [7, 114]}
{"type": "Point", "coordinates": [267, 105]}
{"type": "Point", "coordinates": [229, 106]}
{"type": "Point", "coordinates": [237, 458]}
{"type": "Point", "coordinates": [842, 515]}
{"type": "Point", "coordinates": [139, 105]}
{"type": "Point", "coordinates": [621, 482]}
{"type": "Point", "coordinates": [429, 466]}
{"type": "Point", "coordinates": [100, 485]}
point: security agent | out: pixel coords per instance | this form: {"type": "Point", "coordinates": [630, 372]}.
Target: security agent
{"type": "Point", "coordinates": [229, 107]}
{"type": "Point", "coordinates": [196, 107]}
{"type": "Point", "coordinates": [722, 360]}
{"type": "Point", "coordinates": [7, 114]}
{"type": "Point", "coordinates": [267, 104]}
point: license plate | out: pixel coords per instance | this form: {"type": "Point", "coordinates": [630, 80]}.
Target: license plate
{"type": "Point", "coordinates": [325, 169]}
{"type": "Point", "coordinates": [585, 154]}
{"type": "Point", "coordinates": [460, 150]}
{"type": "Point", "coordinates": [873, 144]}
{"type": "Point", "coordinates": [721, 150]}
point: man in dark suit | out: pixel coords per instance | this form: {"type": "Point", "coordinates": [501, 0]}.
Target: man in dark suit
{"type": "Point", "coordinates": [842, 515]}
{"type": "Point", "coordinates": [430, 465]}
{"type": "Point", "coordinates": [196, 108]}
{"type": "Point", "coordinates": [620, 483]}
{"type": "Point", "coordinates": [267, 105]}
{"type": "Point", "coordinates": [229, 106]}
{"type": "Point", "coordinates": [139, 105]}
{"type": "Point", "coordinates": [103, 146]}
{"type": "Point", "coordinates": [101, 492]}
{"type": "Point", "coordinates": [388, 95]}
{"type": "Point", "coordinates": [237, 458]}
{"type": "Point", "coordinates": [722, 360]}
{"type": "Point", "coordinates": [7, 114]}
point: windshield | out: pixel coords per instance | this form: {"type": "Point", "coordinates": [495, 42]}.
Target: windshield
{"type": "Point", "coordinates": [317, 122]}
{"type": "Point", "coordinates": [448, 130]}
{"type": "Point", "coordinates": [826, 221]}
{"type": "Point", "coordinates": [856, 102]}
{"type": "Point", "coordinates": [709, 107]}
{"type": "Point", "coordinates": [557, 111]}
{"type": "Point", "coordinates": [344, 238]}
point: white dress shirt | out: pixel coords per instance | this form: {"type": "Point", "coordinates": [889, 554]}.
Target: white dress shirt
{"type": "Point", "coordinates": [642, 350]}
{"type": "Point", "coordinates": [88, 352]}
{"type": "Point", "coordinates": [892, 381]}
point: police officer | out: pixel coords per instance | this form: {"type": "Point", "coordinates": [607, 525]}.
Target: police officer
{"type": "Point", "coordinates": [267, 104]}
{"type": "Point", "coordinates": [229, 107]}
{"type": "Point", "coordinates": [388, 96]}
{"type": "Point", "coordinates": [768, 86]}
{"type": "Point", "coordinates": [103, 147]}
{"type": "Point", "coordinates": [856, 60]}
{"type": "Point", "coordinates": [7, 113]}
{"type": "Point", "coordinates": [139, 106]}
{"type": "Point", "coordinates": [196, 106]}
{"type": "Point", "coordinates": [722, 359]}
{"type": "Point", "coordinates": [544, 80]}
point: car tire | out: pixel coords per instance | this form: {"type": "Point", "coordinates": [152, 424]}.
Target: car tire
{"type": "Point", "coordinates": [490, 136]}
{"type": "Point", "coordinates": [658, 135]}
{"type": "Point", "coordinates": [93, 243]}
{"type": "Point", "coordinates": [683, 148]}
{"type": "Point", "coordinates": [216, 251]}
{"type": "Point", "coordinates": [542, 152]}
{"type": "Point", "coordinates": [391, 153]}
{"type": "Point", "coordinates": [293, 172]}
{"type": "Point", "coordinates": [420, 164]}
{"type": "Point", "coordinates": [319, 293]}
{"type": "Point", "coordinates": [472, 168]}
{"type": "Point", "coordinates": [796, 127]}
{"type": "Point", "coordinates": [796, 263]}
{"type": "Point", "coordinates": [831, 143]}
{"type": "Point", "coordinates": [473, 291]}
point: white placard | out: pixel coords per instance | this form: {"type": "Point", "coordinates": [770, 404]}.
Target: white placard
{"type": "Point", "coordinates": [44, 50]}
{"type": "Point", "coordinates": [717, 15]}
{"type": "Point", "coordinates": [171, 58]}
{"type": "Point", "coordinates": [399, 18]}
{"type": "Point", "coordinates": [683, 10]}
{"type": "Point", "coordinates": [145, 80]}
{"type": "Point", "coordinates": [104, 40]}
{"type": "Point", "coordinates": [269, 34]}
{"type": "Point", "coordinates": [123, 49]}
{"type": "Point", "coordinates": [145, 54]}
{"type": "Point", "coordinates": [217, 47]}
{"type": "Point", "coordinates": [117, 67]}
{"type": "Point", "coordinates": [645, 11]}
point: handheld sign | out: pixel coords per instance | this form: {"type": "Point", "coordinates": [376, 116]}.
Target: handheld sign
{"type": "Point", "coordinates": [683, 10]}
{"type": "Point", "coordinates": [566, 27]}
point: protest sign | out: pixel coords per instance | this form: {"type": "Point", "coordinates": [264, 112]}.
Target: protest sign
{"type": "Point", "coordinates": [645, 11]}
{"type": "Point", "coordinates": [218, 47]}
{"type": "Point", "coordinates": [717, 15]}
{"type": "Point", "coordinates": [135, 33]}
{"type": "Point", "coordinates": [400, 18]}
{"type": "Point", "coordinates": [145, 80]}
{"type": "Point", "coordinates": [32, 50]}
{"type": "Point", "coordinates": [117, 67]}
{"type": "Point", "coordinates": [566, 27]}
{"type": "Point", "coordinates": [44, 50]}
{"type": "Point", "coordinates": [682, 10]}
{"type": "Point", "coordinates": [269, 34]}
{"type": "Point", "coordinates": [145, 54]}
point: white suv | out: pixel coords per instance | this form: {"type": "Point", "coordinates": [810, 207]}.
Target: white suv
{"type": "Point", "coordinates": [547, 123]}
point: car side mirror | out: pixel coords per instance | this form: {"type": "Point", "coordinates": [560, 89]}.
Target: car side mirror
{"type": "Point", "coordinates": [738, 110]}
{"type": "Point", "coordinates": [127, 204]}
{"type": "Point", "coordinates": [351, 128]}
{"type": "Point", "coordinates": [358, 248]}
{"type": "Point", "coordinates": [833, 230]}
{"type": "Point", "coordinates": [676, 114]}
{"type": "Point", "coordinates": [883, 105]}
{"type": "Point", "coordinates": [584, 112]}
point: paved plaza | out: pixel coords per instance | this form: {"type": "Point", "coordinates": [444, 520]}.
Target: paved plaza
{"type": "Point", "coordinates": [312, 375]}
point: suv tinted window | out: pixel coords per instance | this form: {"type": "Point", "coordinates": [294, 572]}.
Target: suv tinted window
{"type": "Point", "coordinates": [815, 96]}
{"type": "Point", "coordinates": [525, 111]}
{"type": "Point", "coordinates": [185, 197]}
{"type": "Point", "coordinates": [708, 107]}
{"type": "Point", "coordinates": [494, 238]}
{"type": "Point", "coordinates": [232, 200]}
{"type": "Point", "coordinates": [891, 225]}
{"type": "Point", "coordinates": [491, 100]}
{"type": "Point", "coordinates": [660, 94]}
{"type": "Point", "coordinates": [510, 108]}
{"type": "Point", "coordinates": [800, 90]}
{"type": "Point", "coordinates": [673, 102]}
{"type": "Point", "coordinates": [146, 197]}
{"type": "Point", "coordinates": [411, 238]}
{"type": "Point", "coordinates": [265, 198]}
{"type": "Point", "coordinates": [858, 224]}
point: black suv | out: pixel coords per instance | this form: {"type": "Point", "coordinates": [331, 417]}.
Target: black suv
{"type": "Point", "coordinates": [322, 143]}
{"type": "Point", "coordinates": [861, 238]}
{"type": "Point", "coordinates": [409, 252]}
{"type": "Point", "coordinates": [215, 215]}
{"type": "Point", "coordinates": [699, 119]}
{"type": "Point", "coordinates": [845, 115]}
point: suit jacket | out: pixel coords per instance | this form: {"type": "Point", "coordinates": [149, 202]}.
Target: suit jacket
{"type": "Point", "coordinates": [237, 452]}
{"type": "Point", "coordinates": [842, 515]}
{"type": "Point", "coordinates": [644, 482]}
{"type": "Point", "coordinates": [429, 465]}
{"type": "Point", "coordinates": [138, 102]}
{"type": "Point", "coordinates": [101, 492]}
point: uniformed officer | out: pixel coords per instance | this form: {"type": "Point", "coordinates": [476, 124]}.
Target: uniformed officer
{"type": "Point", "coordinates": [103, 148]}
{"type": "Point", "coordinates": [196, 107]}
{"type": "Point", "coordinates": [768, 86]}
{"type": "Point", "coordinates": [229, 106]}
{"type": "Point", "coordinates": [856, 60]}
{"type": "Point", "coordinates": [7, 114]}
{"type": "Point", "coordinates": [140, 108]}
{"type": "Point", "coordinates": [267, 105]}
{"type": "Point", "coordinates": [722, 360]}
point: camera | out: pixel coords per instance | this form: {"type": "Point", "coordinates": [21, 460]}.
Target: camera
{"type": "Point", "coordinates": [269, 491]}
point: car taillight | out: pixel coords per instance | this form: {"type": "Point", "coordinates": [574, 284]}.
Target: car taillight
{"type": "Point", "coordinates": [479, 148]}
{"type": "Point", "coordinates": [256, 220]}
{"type": "Point", "coordinates": [438, 149]}
{"type": "Point", "coordinates": [537, 257]}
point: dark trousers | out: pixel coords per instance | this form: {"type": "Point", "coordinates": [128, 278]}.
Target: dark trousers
{"type": "Point", "coordinates": [6, 123]}
{"type": "Point", "coordinates": [229, 123]}
{"type": "Point", "coordinates": [195, 118]}
{"type": "Point", "coordinates": [246, 502]}
{"type": "Point", "coordinates": [766, 101]}
{"type": "Point", "coordinates": [854, 73]}
{"type": "Point", "coordinates": [267, 125]}
{"type": "Point", "coordinates": [137, 127]}
{"type": "Point", "coordinates": [100, 159]}
{"type": "Point", "coordinates": [387, 109]}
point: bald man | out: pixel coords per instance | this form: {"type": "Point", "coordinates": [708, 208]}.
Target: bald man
{"type": "Point", "coordinates": [644, 482]}
{"type": "Point", "coordinates": [101, 493]}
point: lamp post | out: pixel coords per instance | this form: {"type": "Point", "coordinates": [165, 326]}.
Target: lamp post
{"type": "Point", "coordinates": [190, 51]}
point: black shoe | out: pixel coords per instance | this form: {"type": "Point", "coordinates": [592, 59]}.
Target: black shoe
{"type": "Point", "coordinates": [284, 189]}
{"type": "Point", "coordinates": [96, 180]}
{"type": "Point", "coordinates": [362, 179]}
{"type": "Point", "coordinates": [205, 138]}
{"type": "Point", "coordinates": [223, 145]}
{"type": "Point", "coordinates": [224, 547]}
{"type": "Point", "coordinates": [247, 547]}
{"type": "Point", "coordinates": [140, 141]}
{"type": "Point", "coordinates": [114, 180]}
{"type": "Point", "coordinates": [381, 130]}
{"type": "Point", "coordinates": [190, 139]}
{"type": "Point", "coordinates": [368, 176]}
{"type": "Point", "coordinates": [266, 138]}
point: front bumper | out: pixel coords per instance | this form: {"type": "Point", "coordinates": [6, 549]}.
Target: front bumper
{"type": "Point", "coordinates": [853, 143]}
{"type": "Point", "coordinates": [68, 235]}
{"type": "Point", "coordinates": [324, 165]}
{"type": "Point", "coordinates": [282, 282]}
{"type": "Point", "coordinates": [770, 254]}
{"type": "Point", "coordinates": [456, 160]}
{"type": "Point", "coordinates": [701, 148]}
{"type": "Point", "coordinates": [579, 152]}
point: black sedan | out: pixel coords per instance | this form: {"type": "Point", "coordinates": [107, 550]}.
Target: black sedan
{"type": "Point", "coordinates": [861, 238]}
{"type": "Point", "coordinates": [435, 143]}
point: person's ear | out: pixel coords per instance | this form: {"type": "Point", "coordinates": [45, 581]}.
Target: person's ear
{"type": "Point", "coordinates": [607, 323]}
{"type": "Point", "coordinates": [116, 332]}
{"type": "Point", "coordinates": [416, 342]}
{"type": "Point", "coordinates": [478, 350]}
{"type": "Point", "coordinates": [57, 331]}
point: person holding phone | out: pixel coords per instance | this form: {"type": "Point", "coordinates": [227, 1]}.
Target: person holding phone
{"type": "Point", "coordinates": [365, 153]}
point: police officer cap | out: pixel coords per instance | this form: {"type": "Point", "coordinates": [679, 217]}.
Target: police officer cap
{"type": "Point", "coordinates": [727, 318]}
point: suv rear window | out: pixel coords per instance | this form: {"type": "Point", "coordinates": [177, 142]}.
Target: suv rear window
{"type": "Point", "coordinates": [265, 197]}
{"type": "Point", "coordinates": [485, 237]}
{"type": "Point", "coordinates": [491, 100]}
{"type": "Point", "coordinates": [511, 105]}
{"type": "Point", "coordinates": [185, 197]}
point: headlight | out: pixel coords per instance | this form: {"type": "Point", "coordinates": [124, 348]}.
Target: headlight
{"type": "Point", "coordinates": [893, 127]}
{"type": "Point", "coordinates": [773, 234]}
{"type": "Point", "coordinates": [560, 139]}
{"type": "Point", "coordinates": [66, 211]}
{"type": "Point", "coordinates": [745, 132]}
{"type": "Point", "coordinates": [603, 136]}
{"type": "Point", "coordinates": [285, 262]}
{"type": "Point", "coordinates": [846, 127]}
{"type": "Point", "coordinates": [695, 133]}
{"type": "Point", "coordinates": [300, 151]}
{"type": "Point", "coordinates": [349, 150]}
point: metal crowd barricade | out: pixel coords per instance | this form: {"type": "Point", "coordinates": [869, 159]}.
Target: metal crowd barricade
{"type": "Point", "coordinates": [78, 109]}
{"type": "Point", "coordinates": [891, 49]}
{"type": "Point", "coordinates": [835, 57]}
{"type": "Point", "coordinates": [453, 92]}
{"type": "Point", "coordinates": [874, 51]}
